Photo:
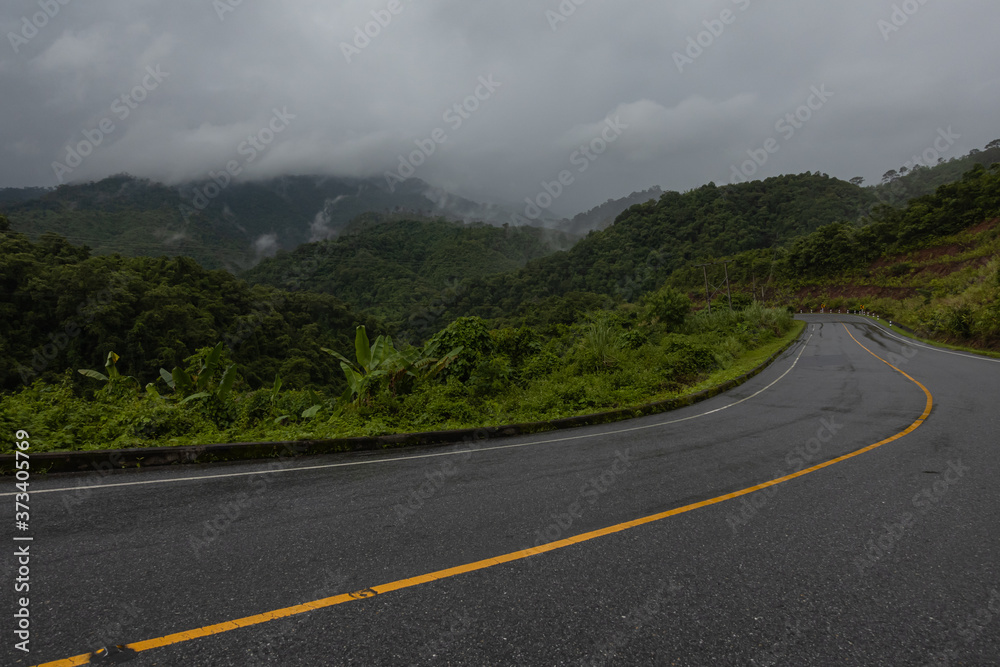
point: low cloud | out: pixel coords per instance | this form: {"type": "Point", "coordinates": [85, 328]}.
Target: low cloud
{"type": "Point", "coordinates": [229, 70]}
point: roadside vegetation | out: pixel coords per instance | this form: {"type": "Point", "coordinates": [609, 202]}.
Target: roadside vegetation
{"type": "Point", "coordinates": [466, 375]}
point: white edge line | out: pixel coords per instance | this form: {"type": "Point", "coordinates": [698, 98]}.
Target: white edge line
{"type": "Point", "coordinates": [911, 342]}
{"type": "Point", "coordinates": [428, 456]}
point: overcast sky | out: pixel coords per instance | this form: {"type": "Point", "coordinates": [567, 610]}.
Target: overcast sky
{"type": "Point", "coordinates": [180, 86]}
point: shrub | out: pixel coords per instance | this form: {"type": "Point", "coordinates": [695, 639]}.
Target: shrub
{"type": "Point", "coordinates": [686, 360]}
{"type": "Point", "coordinates": [491, 376]}
{"type": "Point", "coordinates": [440, 403]}
{"type": "Point", "coordinates": [541, 364]}
{"type": "Point", "coordinates": [253, 409]}
{"type": "Point", "coordinates": [669, 306]}
{"type": "Point", "coordinates": [472, 335]}
{"type": "Point", "coordinates": [634, 339]}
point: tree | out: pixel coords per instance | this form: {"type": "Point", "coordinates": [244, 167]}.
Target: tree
{"type": "Point", "coordinates": [858, 181]}
{"type": "Point", "coordinates": [993, 144]}
{"type": "Point", "coordinates": [890, 175]}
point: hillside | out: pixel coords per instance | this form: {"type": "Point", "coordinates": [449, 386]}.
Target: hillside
{"type": "Point", "coordinates": [900, 186]}
{"type": "Point", "coordinates": [397, 267]}
{"type": "Point", "coordinates": [229, 227]}
{"type": "Point", "coordinates": [603, 215]}
{"type": "Point", "coordinates": [133, 217]}
{"type": "Point", "coordinates": [932, 266]}
{"type": "Point", "coordinates": [15, 195]}
{"type": "Point", "coordinates": [948, 291]}
{"type": "Point", "coordinates": [649, 241]}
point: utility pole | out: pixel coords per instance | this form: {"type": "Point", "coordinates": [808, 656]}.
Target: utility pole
{"type": "Point", "coordinates": [709, 293]}
{"type": "Point", "coordinates": [708, 296]}
{"type": "Point", "coordinates": [728, 293]}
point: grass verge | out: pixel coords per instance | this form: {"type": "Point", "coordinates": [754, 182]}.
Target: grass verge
{"type": "Point", "coordinates": [734, 374]}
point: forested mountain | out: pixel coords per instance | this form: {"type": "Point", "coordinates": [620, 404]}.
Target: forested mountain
{"type": "Point", "coordinates": [398, 267]}
{"type": "Point", "coordinates": [649, 241]}
{"type": "Point", "coordinates": [122, 214]}
{"type": "Point", "coordinates": [14, 195]}
{"type": "Point", "coordinates": [908, 182]}
{"type": "Point", "coordinates": [220, 224]}
{"type": "Point", "coordinates": [933, 265]}
{"type": "Point", "coordinates": [950, 209]}
{"type": "Point", "coordinates": [603, 215]}
{"type": "Point", "coordinates": [61, 308]}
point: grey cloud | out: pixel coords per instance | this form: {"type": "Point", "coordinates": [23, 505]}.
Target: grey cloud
{"type": "Point", "coordinates": [227, 74]}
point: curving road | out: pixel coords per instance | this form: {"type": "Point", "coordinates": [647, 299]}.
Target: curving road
{"type": "Point", "coordinates": [658, 541]}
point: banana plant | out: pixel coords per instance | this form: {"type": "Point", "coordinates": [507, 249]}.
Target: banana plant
{"type": "Point", "coordinates": [110, 366]}
{"type": "Point", "coordinates": [380, 359]}
{"type": "Point", "coordinates": [371, 363]}
{"type": "Point", "coordinates": [113, 377]}
{"type": "Point", "coordinates": [276, 388]}
{"type": "Point", "coordinates": [422, 364]}
{"type": "Point", "coordinates": [196, 386]}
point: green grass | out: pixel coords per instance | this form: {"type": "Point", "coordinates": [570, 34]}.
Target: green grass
{"type": "Point", "coordinates": [748, 362]}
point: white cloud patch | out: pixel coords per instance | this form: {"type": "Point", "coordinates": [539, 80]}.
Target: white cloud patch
{"type": "Point", "coordinates": [265, 245]}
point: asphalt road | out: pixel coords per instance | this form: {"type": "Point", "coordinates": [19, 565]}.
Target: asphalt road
{"type": "Point", "coordinates": [889, 557]}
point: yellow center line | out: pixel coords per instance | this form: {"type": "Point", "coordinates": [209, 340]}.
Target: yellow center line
{"type": "Point", "coordinates": [380, 589]}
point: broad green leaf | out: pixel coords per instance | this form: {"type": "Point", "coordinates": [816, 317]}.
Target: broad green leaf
{"type": "Point", "coordinates": [309, 413]}
{"type": "Point", "coordinates": [212, 361]}
{"type": "Point", "coordinates": [199, 395]}
{"type": "Point", "coordinates": [167, 377]}
{"type": "Point", "coordinates": [226, 385]}
{"type": "Point", "coordinates": [353, 378]}
{"type": "Point", "coordinates": [444, 361]}
{"type": "Point", "coordinates": [93, 374]}
{"type": "Point", "coordinates": [378, 352]}
{"type": "Point", "coordinates": [338, 356]}
{"type": "Point", "coordinates": [182, 380]}
{"type": "Point", "coordinates": [110, 366]}
{"type": "Point", "coordinates": [362, 348]}
{"type": "Point", "coordinates": [347, 396]}
{"type": "Point", "coordinates": [151, 391]}
{"type": "Point", "coordinates": [407, 365]}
